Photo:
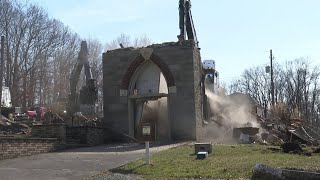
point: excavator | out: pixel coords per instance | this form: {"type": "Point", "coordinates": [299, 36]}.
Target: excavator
{"type": "Point", "coordinates": [186, 22]}
{"type": "Point", "coordinates": [79, 107]}
{"type": "Point", "coordinates": [187, 31]}
{"type": "Point", "coordinates": [82, 104]}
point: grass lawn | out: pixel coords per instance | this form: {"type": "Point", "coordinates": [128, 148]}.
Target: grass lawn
{"type": "Point", "coordinates": [225, 162]}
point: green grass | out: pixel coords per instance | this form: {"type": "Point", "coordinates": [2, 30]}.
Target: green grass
{"type": "Point", "coordinates": [226, 162]}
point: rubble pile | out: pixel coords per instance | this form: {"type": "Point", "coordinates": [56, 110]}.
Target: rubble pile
{"type": "Point", "coordinates": [8, 127]}
{"type": "Point", "coordinates": [303, 134]}
{"type": "Point", "coordinates": [291, 147]}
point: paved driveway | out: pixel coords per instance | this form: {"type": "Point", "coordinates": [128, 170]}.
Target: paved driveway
{"type": "Point", "coordinates": [73, 164]}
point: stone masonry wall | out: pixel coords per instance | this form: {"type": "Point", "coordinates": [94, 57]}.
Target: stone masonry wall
{"type": "Point", "coordinates": [179, 59]}
{"type": "Point", "coordinates": [88, 135]}
{"type": "Point", "coordinates": [115, 64]}
{"type": "Point", "coordinates": [49, 131]}
{"type": "Point", "coordinates": [17, 147]}
{"type": "Point", "coordinates": [184, 108]}
{"type": "Point", "coordinates": [198, 94]}
{"type": "Point", "coordinates": [95, 136]}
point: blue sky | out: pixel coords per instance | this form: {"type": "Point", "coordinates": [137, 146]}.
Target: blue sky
{"type": "Point", "coordinates": [237, 34]}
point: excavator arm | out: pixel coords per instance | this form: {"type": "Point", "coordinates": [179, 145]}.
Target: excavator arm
{"type": "Point", "coordinates": [186, 22]}
{"type": "Point", "coordinates": [88, 93]}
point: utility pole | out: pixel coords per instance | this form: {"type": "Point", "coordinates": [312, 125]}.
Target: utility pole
{"type": "Point", "coordinates": [1, 70]}
{"type": "Point", "coordinates": [272, 83]}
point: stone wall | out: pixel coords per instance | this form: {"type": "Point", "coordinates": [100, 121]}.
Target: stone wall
{"type": "Point", "coordinates": [197, 64]}
{"type": "Point", "coordinates": [95, 136]}
{"type": "Point", "coordinates": [50, 138]}
{"type": "Point", "coordinates": [16, 147]}
{"type": "Point", "coordinates": [182, 61]}
{"type": "Point", "coordinates": [87, 135]}
{"type": "Point", "coordinates": [49, 131]}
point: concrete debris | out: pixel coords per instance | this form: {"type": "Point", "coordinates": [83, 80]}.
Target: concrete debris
{"type": "Point", "coordinates": [8, 127]}
{"type": "Point", "coordinates": [203, 147]}
{"type": "Point", "coordinates": [245, 134]}
{"type": "Point", "coordinates": [263, 172]}
{"type": "Point", "coordinates": [272, 139]}
{"type": "Point", "coordinates": [277, 134]}
{"type": "Point", "coordinates": [247, 130]}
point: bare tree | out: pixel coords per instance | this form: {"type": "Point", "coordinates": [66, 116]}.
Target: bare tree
{"type": "Point", "coordinates": [41, 52]}
{"type": "Point", "coordinates": [296, 88]}
{"type": "Point", "coordinates": [35, 44]}
{"type": "Point", "coordinates": [126, 41]}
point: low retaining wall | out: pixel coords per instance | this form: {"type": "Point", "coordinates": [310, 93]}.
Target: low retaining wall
{"type": "Point", "coordinates": [49, 138]}
{"type": "Point", "coordinates": [49, 131]}
{"type": "Point", "coordinates": [87, 135]}
{"type": "Point", "coordinates": [16, 147]}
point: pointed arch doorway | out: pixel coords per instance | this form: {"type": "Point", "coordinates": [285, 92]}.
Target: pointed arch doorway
{"type": "Point", "coordinates": [148, 102]}
{"type": "Point", "coordinates": [148, 84]}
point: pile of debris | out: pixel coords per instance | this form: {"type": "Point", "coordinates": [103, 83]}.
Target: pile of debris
{"type": "Point", "coordinates": [306, 134]}
{"type": "Point", "coordinates": [279, 132]}
{"type": "Point", "coordinates": [8, 127]}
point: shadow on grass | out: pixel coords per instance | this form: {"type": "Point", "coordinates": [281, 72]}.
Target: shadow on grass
{"type": "Point", "coordinates": [120, 170]}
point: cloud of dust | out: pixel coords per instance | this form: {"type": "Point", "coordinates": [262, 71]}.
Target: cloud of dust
{"type": "Point", "coordinates": [226, 113]}
{"type": "Point", "coordinates": [157, 111]}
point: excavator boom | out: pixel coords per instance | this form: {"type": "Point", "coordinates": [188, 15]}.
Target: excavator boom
{"type": "Point", "coordinates": [186, 22]}
{"type": "Point", "coordinates": [88, 93]}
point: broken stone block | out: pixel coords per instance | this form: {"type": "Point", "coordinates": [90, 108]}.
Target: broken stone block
{"type": "Point", "coordinates": [203, 147]}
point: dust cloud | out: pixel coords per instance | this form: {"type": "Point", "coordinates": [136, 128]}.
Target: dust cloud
{"type": "Point", "coordinates": [156, 111]}
{"type": "Point", "coordinates": [226, 113]}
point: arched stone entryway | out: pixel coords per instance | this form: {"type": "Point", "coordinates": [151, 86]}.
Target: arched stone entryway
{"type": "Point", "coordinates": [180, 65]}
{"type": "Point", "coordinates": [146, 82]}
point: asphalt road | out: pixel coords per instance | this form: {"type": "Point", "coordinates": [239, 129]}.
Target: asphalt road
{"type": "Point", "coordinates": [73, 164]}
